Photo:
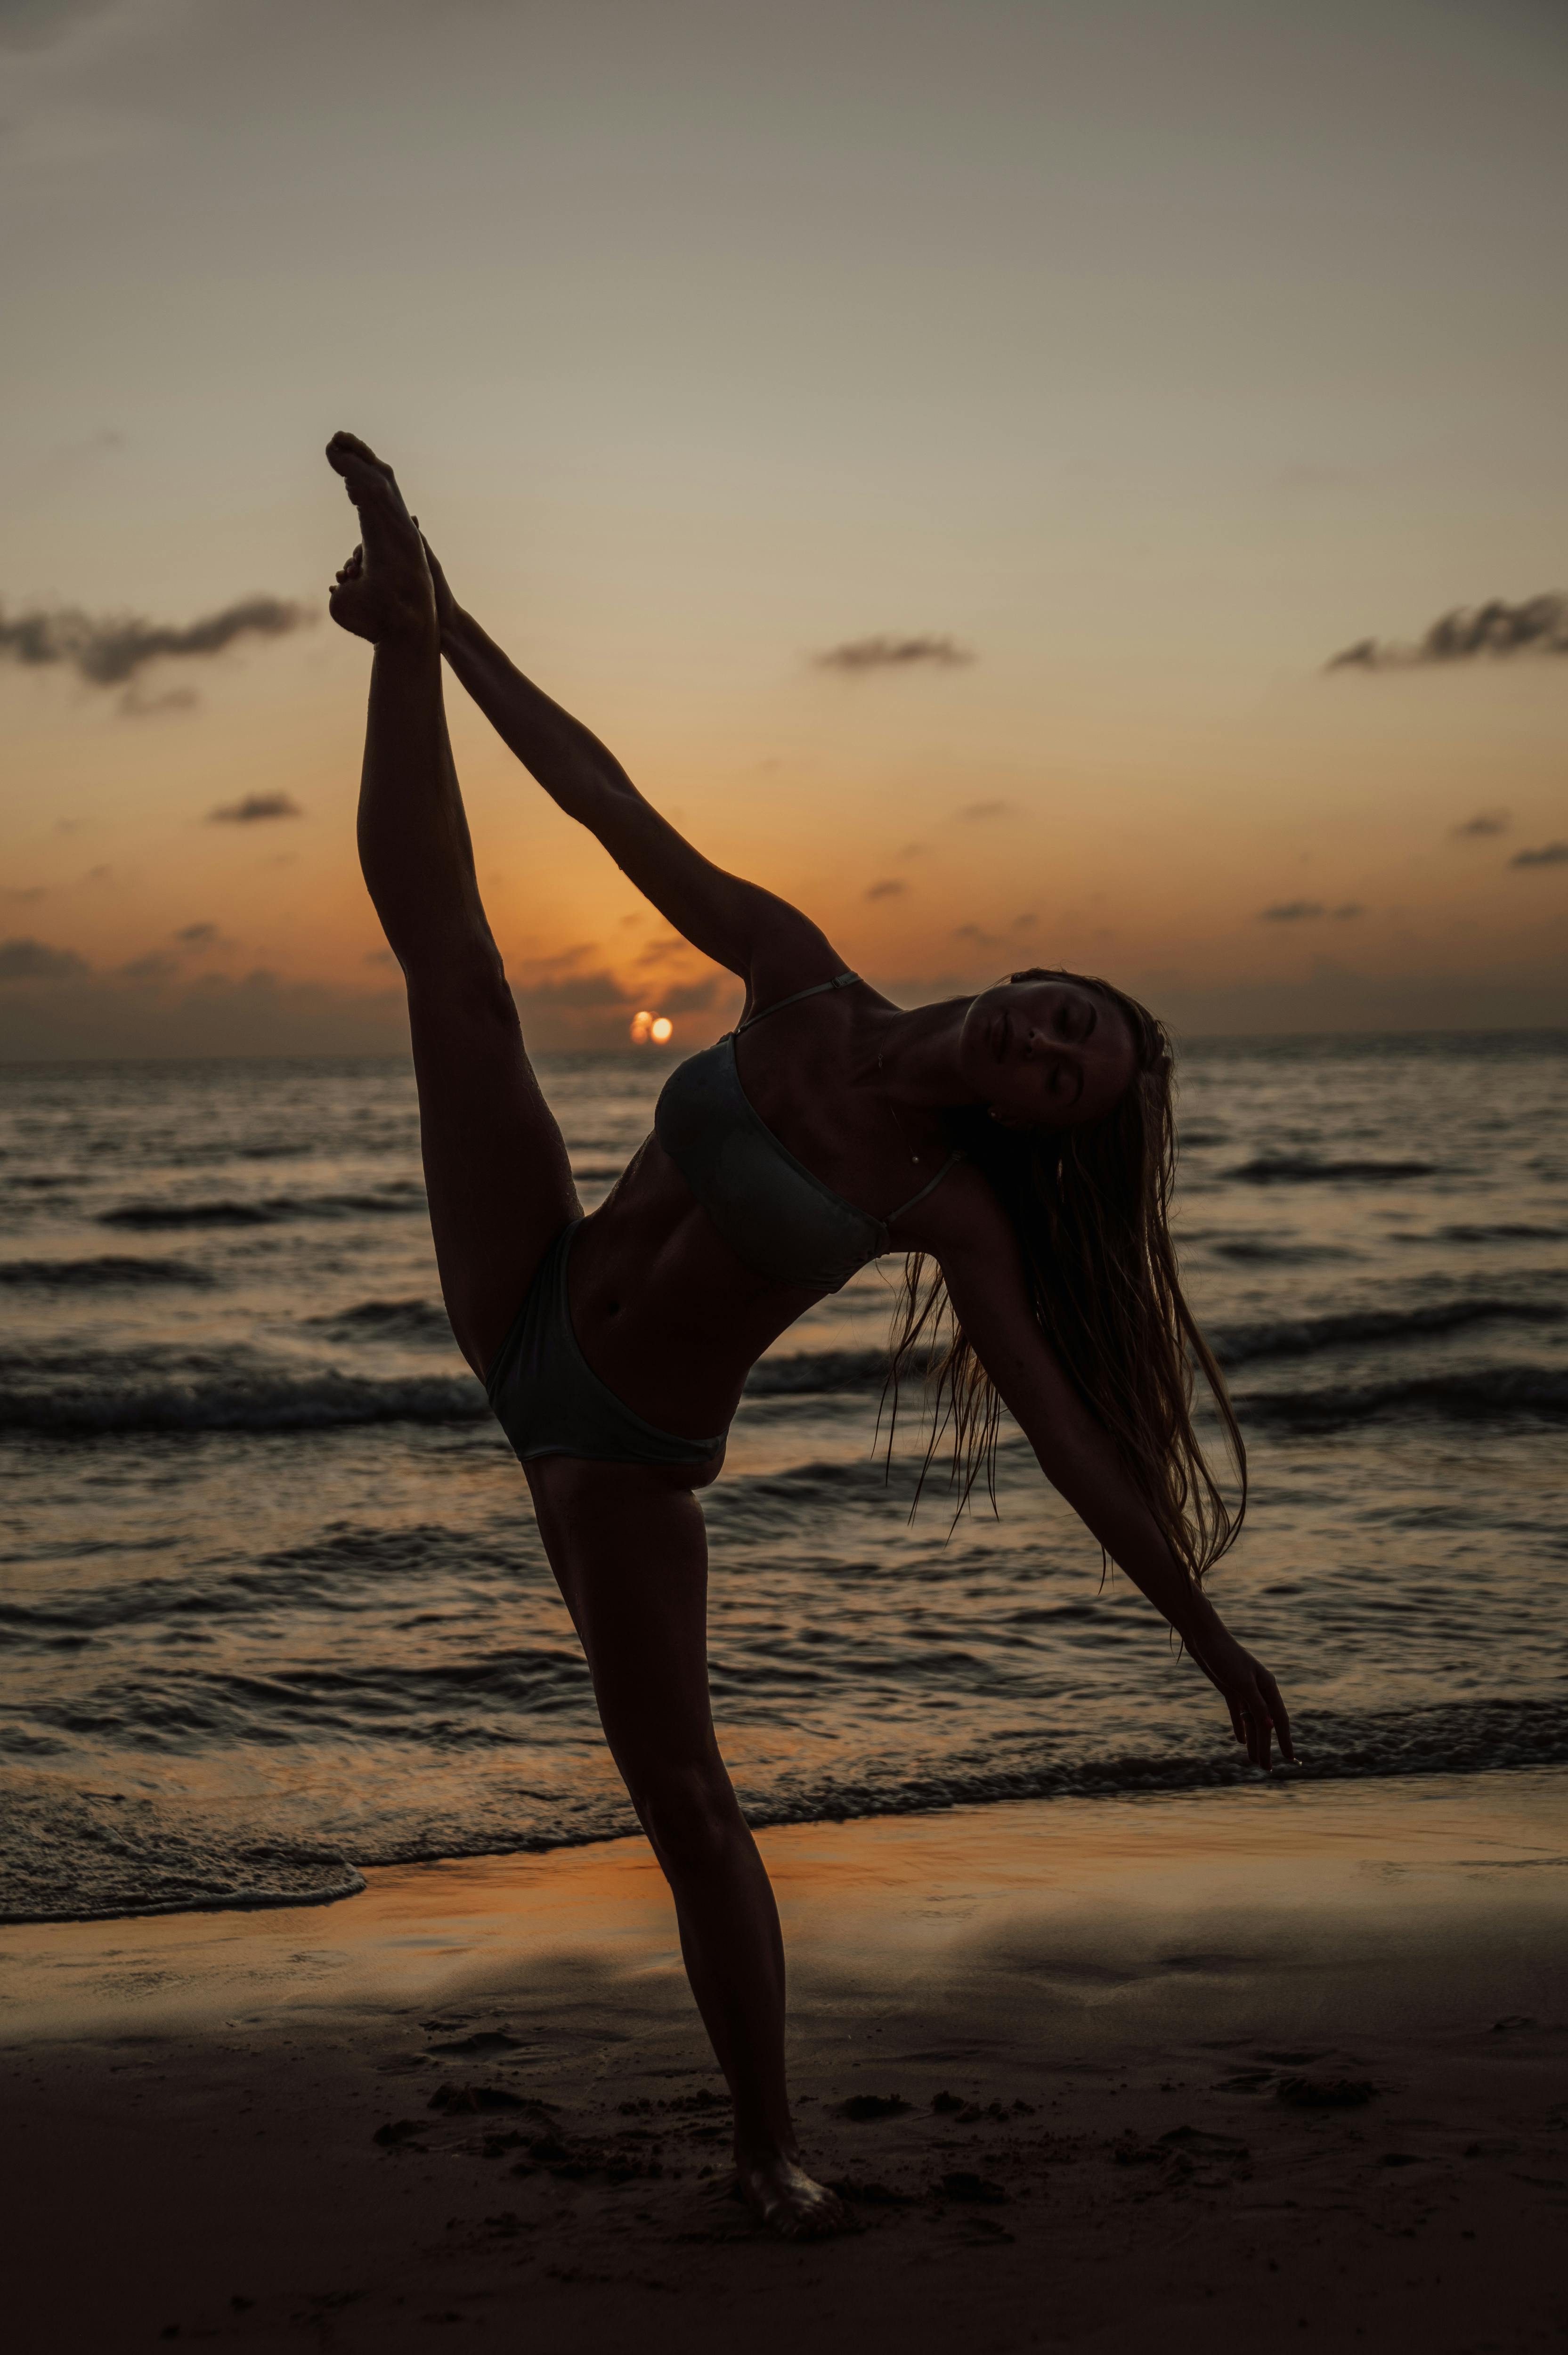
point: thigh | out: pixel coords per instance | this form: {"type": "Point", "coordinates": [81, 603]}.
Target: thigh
{"type": "Point", "coordinates": [496, 1174]}
{"type": "Point", "coordinates": [631, 1558]}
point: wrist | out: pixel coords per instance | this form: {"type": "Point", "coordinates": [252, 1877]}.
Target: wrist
{"type": "Point", "coordinates": [1196, 1621]}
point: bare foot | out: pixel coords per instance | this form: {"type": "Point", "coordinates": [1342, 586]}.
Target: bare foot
{"type": "Point", "coordinates": [385, 590]}
{"type": "Point", "coordinates": [781, 2196]}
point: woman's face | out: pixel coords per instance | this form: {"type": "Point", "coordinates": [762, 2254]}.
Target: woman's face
{"type": "Point", "coordinates": [1046, 1054]}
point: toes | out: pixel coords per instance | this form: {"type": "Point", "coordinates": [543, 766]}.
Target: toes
{"type": "Point", "coordinates": [366, 478]}
{"type": "Point", "coordinates": [344, 446]}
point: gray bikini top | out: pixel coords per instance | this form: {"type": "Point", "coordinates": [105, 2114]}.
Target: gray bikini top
{"type": "Point", "coordinates": [773, 1214]}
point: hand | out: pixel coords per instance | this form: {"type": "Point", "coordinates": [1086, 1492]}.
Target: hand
{"type": "Point", "coordinates": [1249, 1693]}
{"type": "Point", "coordinates": [445, 603]}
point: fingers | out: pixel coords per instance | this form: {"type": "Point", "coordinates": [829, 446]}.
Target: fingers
{"type": "Point", "coordinates": [1277, 1712]}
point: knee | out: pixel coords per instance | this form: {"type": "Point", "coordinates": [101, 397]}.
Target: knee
{"type": "Point", "coordinates": [692, 1818]}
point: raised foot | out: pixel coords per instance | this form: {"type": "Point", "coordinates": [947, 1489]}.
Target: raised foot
{"type": "Point", "coordinates": [788, 2201]}
{"type": "Point", "coordinates": [385, 590]}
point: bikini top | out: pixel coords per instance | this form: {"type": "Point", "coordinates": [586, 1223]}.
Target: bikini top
{"type": "Point", "coordinates": [773, 1214]}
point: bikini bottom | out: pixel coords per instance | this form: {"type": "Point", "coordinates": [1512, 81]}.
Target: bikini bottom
{"type": "Point", "coordinates": [549, 1401]}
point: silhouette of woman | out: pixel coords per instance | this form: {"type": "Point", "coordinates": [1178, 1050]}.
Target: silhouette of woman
{"type": "Point", "coordinates": [1017, 1145]}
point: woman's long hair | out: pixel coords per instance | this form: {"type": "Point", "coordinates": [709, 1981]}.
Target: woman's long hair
{"type": "Point", "coordinates": [1091, 1209]}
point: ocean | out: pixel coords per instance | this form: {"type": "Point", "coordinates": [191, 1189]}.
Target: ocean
{"type": "Point", "coordinates": [273, 1604]}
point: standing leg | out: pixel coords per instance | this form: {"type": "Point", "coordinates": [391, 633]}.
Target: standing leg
{"type": "Point", "coordinates": [496, 1173]}
{"type": "Point", "coordinates": [631, 1555]}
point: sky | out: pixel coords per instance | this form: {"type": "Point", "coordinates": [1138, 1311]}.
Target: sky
{"type": "Point", "coordinates": [941, 446]}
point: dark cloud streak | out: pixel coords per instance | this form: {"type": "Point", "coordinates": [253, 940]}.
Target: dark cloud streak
{"type": "Point", "coordinates": [110, 652]}
{"type": "Point", "coordinates": [1550, 854]}
{"type": "Point", "coordinates": [859, 656]}
{"type": "Point", "coordinates": [29, 960]}
{"type": "Point", "coordinates": [253, 808]}
{"type": "Point", "coordinates": [1538, 625]}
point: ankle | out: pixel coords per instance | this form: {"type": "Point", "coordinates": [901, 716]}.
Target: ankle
{"type": "Point", "coordinates": [761, 2146]}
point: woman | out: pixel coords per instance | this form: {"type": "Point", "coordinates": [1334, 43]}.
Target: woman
{"type": "Point", "coordinates": [614, 1348]}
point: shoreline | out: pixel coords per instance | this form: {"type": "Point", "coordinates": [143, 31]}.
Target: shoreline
{"type": "Point", "coordinates": [1217, 1780]}
{"type": "Point", "coordinates": [1049, 2045]}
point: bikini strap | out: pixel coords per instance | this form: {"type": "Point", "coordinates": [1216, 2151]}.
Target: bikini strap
{"type": "Point", "coordinates": [924, 1190]}
{"type": "Point", "coordinates": [839, 981]}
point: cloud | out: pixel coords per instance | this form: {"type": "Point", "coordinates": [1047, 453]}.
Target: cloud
{"type": "Point", "coordinates": [576, 993]}
{"type": "Point", "coordinates": [197, 936]}
{"type": "Point", "coordinates": [985, 809]}
{"type": "Point", "coordinates": [889, 890]}
{"type": "Point", "coordinates": [857, 656]}
{"type": "Point", "coordinates": [1342, 998]}
{"type": "Point", "coordinates": [110, 652]}
{"type": "Point", "coordinates": [1538, 625]}
{"type": "Point", "coordinates": [976, 932]}
{"type": "Point", "coordinates": [690, 996]}
{"type": "Point", "coordinates": [28, 960]}
{"type": "Point", "coordinates": [254, 807]}
{"type": "Point", "coordinates": [155, 967]}
{"type": "Point", "coordinates": [1290, 911]}
{"type": "Point", "coordinates": [1550, 854]}
{"type": "Point", "coordinates": [1350, 908]}
{"type": "Point", "coordinates": [24, 894]}
{"type": "Point", "coordinates": [154, 1008]}
{"type": "Point", "coordinates": [1483, 825]}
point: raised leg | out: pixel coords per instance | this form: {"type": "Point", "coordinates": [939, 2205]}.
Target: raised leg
{"type": "Point", "coordinates": [631, 1555]}
{"type": "Point", "coordinates": [496, 1173]}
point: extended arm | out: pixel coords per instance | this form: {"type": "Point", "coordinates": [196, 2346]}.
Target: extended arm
{"type": "Point", "coordinates": [736, 924]}
{"type": "Point", "coordinates": [985, 1278]}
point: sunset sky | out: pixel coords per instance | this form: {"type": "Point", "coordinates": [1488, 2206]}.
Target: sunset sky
{"type": "Point", "coordinates": [1121, 364]}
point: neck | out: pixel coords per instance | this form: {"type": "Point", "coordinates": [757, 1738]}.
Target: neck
{"type": "Point", "coordinates": [912, 1058]}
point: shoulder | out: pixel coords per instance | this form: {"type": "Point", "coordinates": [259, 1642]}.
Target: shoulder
{"type": "Point", "coordinates": [788, 953]}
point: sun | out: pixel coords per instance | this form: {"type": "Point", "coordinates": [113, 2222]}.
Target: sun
{"type": "Point", "coordinates": [647, 1026]}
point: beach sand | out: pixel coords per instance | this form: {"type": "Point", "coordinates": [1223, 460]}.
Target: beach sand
{"type": "Point", "coordinates": [1283, 2061]}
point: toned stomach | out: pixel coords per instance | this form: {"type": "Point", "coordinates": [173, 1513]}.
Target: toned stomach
{"type": "Point", "coordinates": [665, 1313]}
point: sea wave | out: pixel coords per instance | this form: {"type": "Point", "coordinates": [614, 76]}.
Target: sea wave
{"type": "Point", "coordinates": [802, 1371]}
{"type": "Point", "coordinates": [95, 1856]}
{"type": "Point", "coordinates": [273, 1210]}
{"type": "Point", "coordinates": [1503, 1231]}
{"type": "Point", "coordinates": [74, 1855]}
{"type": "Point", "coordinates": [1492, 1394]}
{"type": "Point", "coordinates": [1306, 1169]}
{"type": "Point", "coordinates": [1303, 1336]}
{"type": "Point", "coordinates": [411, 1323]}
{"type": "Point", "coordinates": [85, 1392]}
{"type": "Point", "coordinates": [110, 1271]}
{"type": "Point", "coordinates": [96, 1392]}
{"type": "Point", "coordinates": [1264, 1250]}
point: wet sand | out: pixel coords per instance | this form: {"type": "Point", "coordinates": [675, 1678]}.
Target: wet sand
{"type": "Point", "coordinates": [1101, 2074]}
